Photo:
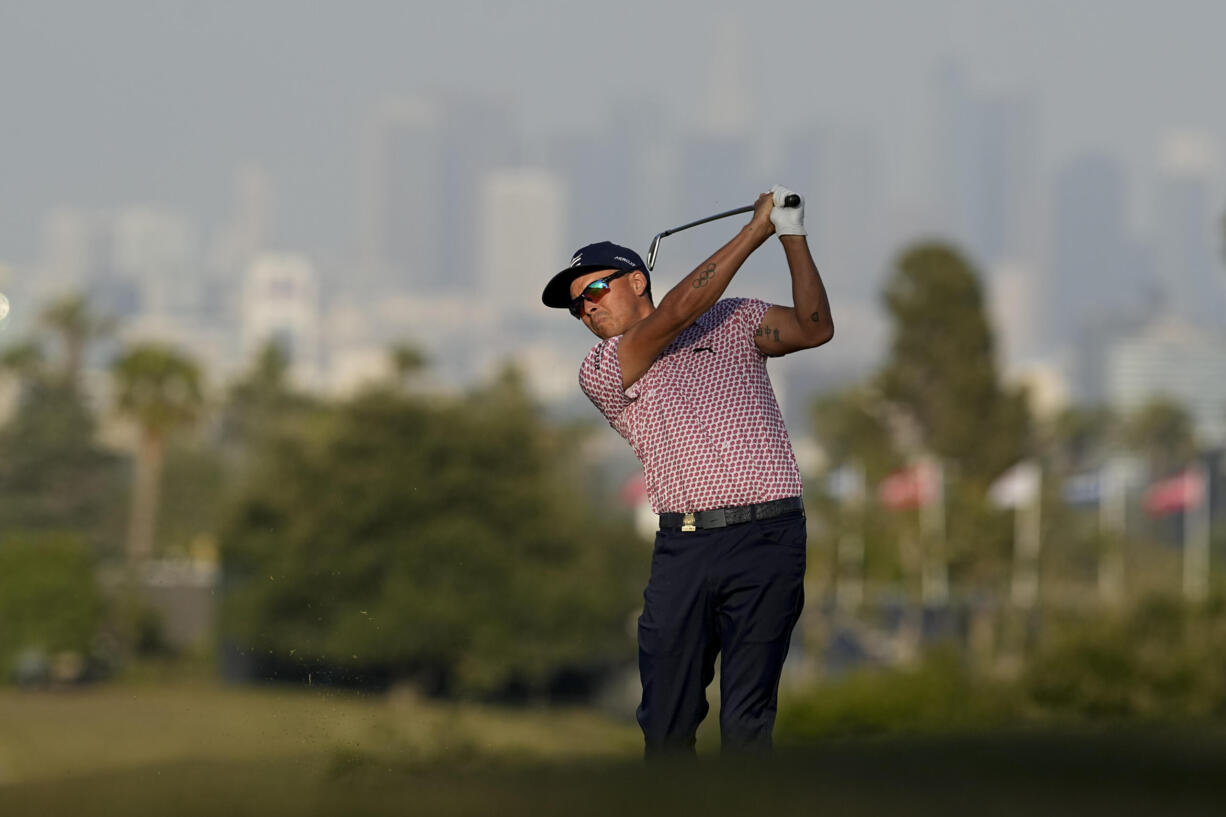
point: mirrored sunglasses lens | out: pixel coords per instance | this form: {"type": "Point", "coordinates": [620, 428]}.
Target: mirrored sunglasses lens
{"type": "Point", "coordinates": [595, 290]}
{"type": "Point", "coordinates": [592, 292]}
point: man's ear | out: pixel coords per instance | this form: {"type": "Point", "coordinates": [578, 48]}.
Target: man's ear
{"type": "Point", "coordinates": [640, 282]}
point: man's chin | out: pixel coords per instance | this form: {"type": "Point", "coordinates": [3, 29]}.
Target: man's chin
{"type": "Point", "coordinates": [601, 327]}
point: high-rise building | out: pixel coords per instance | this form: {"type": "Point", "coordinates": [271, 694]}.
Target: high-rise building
{"type": "Point", "coordinates": [607, 174]}
{"type": "Point", "coordinates": [250, 224]}
{"type": "Point", "coordinates": [522, 220]}
{"type": "Point", "coordinates": [838, 171]}
{"type": "Point", "coordinates": [421, 163]}
{"type": "Point", "coordinates": [1185, 231]}
{"type": "Point", "coordinates": [987, 169]}
{"type": "Point", "coordinates": [281, 305]}
{"type": "Point", "coordinates": [716, 156]}
{"type": "Point", "coordinates": [1012, 299]}
{"type": "Point", "coordinates": [1175, 360]}
{"type": "Point", "coordinates": [157, 248]}
{"type": "Point", "coordinates": [137, 260]}
{"type": "Point", "coordinates": [1097, 287]}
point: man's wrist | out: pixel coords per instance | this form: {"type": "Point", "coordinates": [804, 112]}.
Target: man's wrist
{"type": "Point", "coordinates": [758, 232]}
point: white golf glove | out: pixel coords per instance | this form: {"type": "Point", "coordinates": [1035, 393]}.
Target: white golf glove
{"type": "Point", "coordinates": [787, 220]}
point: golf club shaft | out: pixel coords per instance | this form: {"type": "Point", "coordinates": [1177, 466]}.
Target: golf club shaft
{"type": "Point", "coordinates": [792, 200]}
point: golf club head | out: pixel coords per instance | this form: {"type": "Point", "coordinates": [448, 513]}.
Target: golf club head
{"type": "Point", "coordinates": [651, 251]}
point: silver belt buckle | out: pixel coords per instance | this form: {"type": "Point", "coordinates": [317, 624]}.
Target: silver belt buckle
{"type": "Point", "coordinates": [687, 522]}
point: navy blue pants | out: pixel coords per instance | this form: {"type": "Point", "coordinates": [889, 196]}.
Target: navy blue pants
{"type": "Point", "coordinates": [736, 591]}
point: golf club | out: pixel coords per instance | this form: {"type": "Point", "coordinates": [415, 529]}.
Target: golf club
{"type": "Point", "coordinates": [791, 201]}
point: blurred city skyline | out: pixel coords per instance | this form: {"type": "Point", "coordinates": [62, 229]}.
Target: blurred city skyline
{"type": "Point", "coordinates": [386, 149]}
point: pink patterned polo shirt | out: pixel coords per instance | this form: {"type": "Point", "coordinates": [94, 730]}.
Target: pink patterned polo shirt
{"type": "Point", "coordinates": [703, 419]}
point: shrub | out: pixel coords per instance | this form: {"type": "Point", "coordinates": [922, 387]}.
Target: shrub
{"type": "Point", "coordinates": [938, 694]}
{"type": "Point", "coordinates": [1161, 660]}
{"type": "Point", "coordinates": [49, 599]}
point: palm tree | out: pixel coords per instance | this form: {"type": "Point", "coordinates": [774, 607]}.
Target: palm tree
{"type": "Point", "coordinates": [77, 324]}
{"type": "Point", "coordinates": [160, 390]}
{"type": "Point", "coordinates": [407, 362]}
{"type": "Point", "coordinates": [23, 360]}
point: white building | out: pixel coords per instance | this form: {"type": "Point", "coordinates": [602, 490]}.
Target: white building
{"type": "Point", "coordinates": [156, 248]}
{"type": "Point", "coordinates": [281, 304]}
{"type": "Point", "coordinates": [523, 224]}
{"type": "Point", "coordinates": [1175, 360]}
{"type": "Point", "coordinates": [523, 216]}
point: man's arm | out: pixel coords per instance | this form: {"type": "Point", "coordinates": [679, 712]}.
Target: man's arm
{"type": "Point", "coordinates": [807, 323]}
{"type": "Point", "coordinates": [692, 296]}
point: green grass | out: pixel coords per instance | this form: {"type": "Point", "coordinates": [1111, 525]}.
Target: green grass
{"type": "Point", "coordinates": [197, 748]}
{"type": "Point", "coordinates": [52, 735]}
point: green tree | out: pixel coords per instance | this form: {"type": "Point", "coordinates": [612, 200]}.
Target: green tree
{"type": "Point", "coordinates": [49, 600]}
{"type": "Point", "coordinates": [1163, 433]}
{"type": "Point", "coordinates": [1080, 437]}
{"type": "Point", "coordinates": [53, 475]}
{"type": "Point", "coordinates": [445, 539]}
{"type": "Point", "coordinates": [24, 361]}
{"type": "Point", "coordinates": [77, 325]}
{"type": "Point", "coordinates": [408, 361]}
{"type": "Point", "coordinates": [942, 365]}
{"type": "Point", "coordinates": [941, 377]}
{"type": "Point", "coordinates": [852, 427]}
{"type": "Point", "coordinates": [160, 391]}
{"type": "Point", "coordinates": [261, 404]}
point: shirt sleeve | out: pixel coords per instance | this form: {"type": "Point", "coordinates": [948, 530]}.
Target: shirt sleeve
{"type": "Point", "coordinates": [600, 377]}
{"type": "Point", "coordinates": [748, 317]}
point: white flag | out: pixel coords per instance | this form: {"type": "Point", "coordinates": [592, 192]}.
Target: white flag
{"type": "Point", "coordinates": [1016, 487]}
{"type": "Point", "coordinates": [846, 484]}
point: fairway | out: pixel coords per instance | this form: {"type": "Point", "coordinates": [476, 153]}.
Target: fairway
{"type": "Point", "coordinates": [50, 736]}
{"type": "Point", "coordinates": [199, 748]}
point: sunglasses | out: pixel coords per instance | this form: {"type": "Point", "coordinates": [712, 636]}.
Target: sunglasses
{"type": "Point", "coordinates": [593, 292]}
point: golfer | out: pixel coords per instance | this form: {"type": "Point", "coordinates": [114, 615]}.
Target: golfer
{"type": "Point", "coordinates": [685, 383]}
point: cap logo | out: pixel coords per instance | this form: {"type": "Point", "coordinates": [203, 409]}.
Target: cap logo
{"type": "Point", "coordinates": [624, 260]}
{"type": "Point", "coordinates": [578, 259]}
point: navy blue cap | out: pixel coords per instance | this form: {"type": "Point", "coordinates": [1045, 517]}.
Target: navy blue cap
{"type": "Point", "coordinates": [599, 256]}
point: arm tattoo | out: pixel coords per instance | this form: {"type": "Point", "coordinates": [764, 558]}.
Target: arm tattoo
{"type": "Point", "coordinates": [704, 277]}
{"type": "Point", "coordinates": [815, 317]}
{"type": "Point", "coordinates": [767, 332]}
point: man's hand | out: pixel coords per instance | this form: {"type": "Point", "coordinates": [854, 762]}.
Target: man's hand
{"type": "Point", "coordinates": [787, 220]}
{"type": "Point", "coordinates": [763, 218]}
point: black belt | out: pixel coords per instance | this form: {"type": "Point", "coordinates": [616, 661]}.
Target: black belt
{"type": "Point", "coordinates": [723, 517]}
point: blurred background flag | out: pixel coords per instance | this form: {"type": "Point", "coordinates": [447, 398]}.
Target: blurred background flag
{"type": "Point", "coordinates": [1085, 488]}
{"type": "Point", "coordinates": [633, 495]}
{"type": "Point", "coordinates": [1181, 492]}
{"type": "Point", "coordinates": [1186, 493]}
{"type": "Point", "coordinates": [911, 487]}
{"type": "Point", "coordinates": [1016, 487]}
{"type": "Point", "coordinates": [846, 484]}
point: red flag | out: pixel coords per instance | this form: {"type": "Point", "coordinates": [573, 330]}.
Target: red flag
{"type": "Point", "coordinates": [633, 491]}
{"type": "Point", "coordinates": [910, 487]}
{"type": "Point", "coordinates": [1177, 493]}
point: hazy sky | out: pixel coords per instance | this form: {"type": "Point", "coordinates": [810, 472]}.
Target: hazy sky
{"type": "Point", "coordinates": [107, 103]}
